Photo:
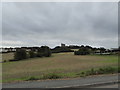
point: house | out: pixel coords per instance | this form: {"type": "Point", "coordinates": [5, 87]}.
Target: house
{"type": "Point", "coordinates": [62, 45]}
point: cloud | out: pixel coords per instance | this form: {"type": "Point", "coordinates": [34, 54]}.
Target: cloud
{"type": "Point", "coordinates": [36, 24]}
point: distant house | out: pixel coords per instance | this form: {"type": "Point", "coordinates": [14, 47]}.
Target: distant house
{"type": "Point", "coordinates": [26, 48]}
{"type": "Point", "coordinates": [62, 45]}
{"type": "Point", "coordinates": [97, 51]}
{"type": "Point", "coordinates": [3, 50]}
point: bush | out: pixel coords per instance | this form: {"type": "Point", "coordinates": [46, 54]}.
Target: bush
{"type": "Point", "coordinates": [76, 53]}
{"type": "Point", "coordinates": [32, 54]}
{"type": "Point", "coordinates": [32, 78]}
{"type": "Point", "coordinates": [51, 76]}
{"type": "Point", "coordinates": [5, 61]}
{"type": "Point", "coordinates": [40, 54]}
{"type": "Point", "coordinates": [47, 52]}
{"type": "Point", "coordinates": [44, 51]}
{"type": "Point", "coordinates": [20, 54]}
{"type": "Point", "coordinates": [104, 70]}
{"type": "Point", "coordinates": [82, 51]}
{"type": "Point", "coordinates": [107, 70]}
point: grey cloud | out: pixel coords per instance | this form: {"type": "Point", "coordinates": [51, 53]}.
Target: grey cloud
{"type": "Point", "coordinates": [52, 23]}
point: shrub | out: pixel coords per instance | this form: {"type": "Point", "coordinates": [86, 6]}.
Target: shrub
{"type": "Point", "coordinates": [32, 78]}
{"type": "Point", "coordinates": [32, 54]}
{"type": "Point", "coordinates": [82, 51]}
{"type": "Point", "coordinates": [90, 72]}
{"type": "Point", "coordinates": [40, 54]}
{"type": "Point", "coordinates": [93, 71]}
{"type": "Point", "coordinates": [44, 51]}
{"type": "Point", "coordinates": [51, 76]}
{"type": "Point", "coordinates": [76, 53]}
{"type": "Point", "coordinates": [47, 52]}
{"type": "Point", "coordinates": [106, 70]}
{"type": "Point", "coordinates": [5, 61]}
{"type": "Point", "coordinates": [20, 54]}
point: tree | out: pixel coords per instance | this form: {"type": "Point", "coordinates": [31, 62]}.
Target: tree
{"type": "Point", "coordinates": [20, 54]}
{"type": "Point", "coordinates": [47, 52]}
{"type": "Point", "coordinates": [40, 52]}
{"type": "Point", "coordinates": [32, 54]}
{"type": "Point", "coordinates": [94, 50]}
{"type": "Point", "coordinates": [59, 49]}
{"type": "Point", "coordinates": [44, 51]}
{"type": "Point", "coordinates": [102, 50]}
{"type": "Point", "coordinates": [82, 51]}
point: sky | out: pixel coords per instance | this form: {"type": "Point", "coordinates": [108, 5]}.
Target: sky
{"type": "Point", "coordinates": [53, 23]}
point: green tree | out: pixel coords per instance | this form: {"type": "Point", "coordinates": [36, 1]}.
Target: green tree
{"type": "Point", "coordinates": [102, 50]}
{"type": "Point", "coordinates": [82, 51]}
{"type": "Point", "coordinates": [20, 54]}
{"type": "Point", "coordinates": [32, 54]}
{"type": "Point", "coordinates": [44, 51]}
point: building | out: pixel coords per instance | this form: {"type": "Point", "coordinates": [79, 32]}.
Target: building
{"type": "Point", "coordinates": [62, 45]}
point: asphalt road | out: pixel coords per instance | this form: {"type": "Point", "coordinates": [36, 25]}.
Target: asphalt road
{"type": "Point", "coordinates": [64, 83]}
{"type": "Point", "coordinates": [107, 86]}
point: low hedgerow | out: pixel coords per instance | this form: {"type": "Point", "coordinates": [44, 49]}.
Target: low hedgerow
{"type": "Point", "coordinates": [104, 70]}
{"type": "Point", "coordinates": [51, 76]}
{"type": "Point", "coordinates": [107, 70]}
{"type": "Point", "coordinates": [32, 78]}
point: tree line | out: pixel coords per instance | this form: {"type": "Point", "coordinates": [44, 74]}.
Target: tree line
{"type": "Point", "coordinates": [85, 50]}
{"type": "Point", "coordinates": [43, 51]}
{"type": "Point", "coordinates": [59, 49]}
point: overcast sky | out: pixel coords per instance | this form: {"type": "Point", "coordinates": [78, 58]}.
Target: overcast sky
{"type": "Point", "coordinates": [36, 24]}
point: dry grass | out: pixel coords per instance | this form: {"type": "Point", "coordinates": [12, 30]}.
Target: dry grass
{"type": "Point", "coordinates": [58, 63]}
{"type": "Point", "coordinates": [7, 56]}
{"type": "Point", "coordinates": [75, 49]}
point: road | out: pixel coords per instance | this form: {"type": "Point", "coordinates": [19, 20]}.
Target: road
{"type": "Point", "coordinates": [64, 83]}
{"type": "Point", "coordinates": [107, 86]}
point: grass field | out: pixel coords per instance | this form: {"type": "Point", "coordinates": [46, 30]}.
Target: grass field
{"type": "Point", "coordinates": [67, 63]}
{"type": "Point", "coordinates": [7, 56]}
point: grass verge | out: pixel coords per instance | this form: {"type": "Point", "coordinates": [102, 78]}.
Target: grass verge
{"type": "Point", "coordinates": [97, 71]}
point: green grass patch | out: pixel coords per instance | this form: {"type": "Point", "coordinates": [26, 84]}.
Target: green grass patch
{"type": "Point", "coordinates": [103, 70]}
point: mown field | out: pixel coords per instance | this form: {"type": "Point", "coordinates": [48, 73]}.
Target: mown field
{"type": "Point", "coordinates": [7, 56]}
{"type": "Point", "coordinates": [66, 63]}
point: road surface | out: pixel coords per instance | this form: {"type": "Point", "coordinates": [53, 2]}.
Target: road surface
{"type": "Point", "coordinates": [107, 86]}
{"type": "Point", "coordinates": [64, 83]}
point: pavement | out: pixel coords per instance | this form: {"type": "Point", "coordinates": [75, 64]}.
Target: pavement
{"type": "Point", "coordinates": [89, 81]}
